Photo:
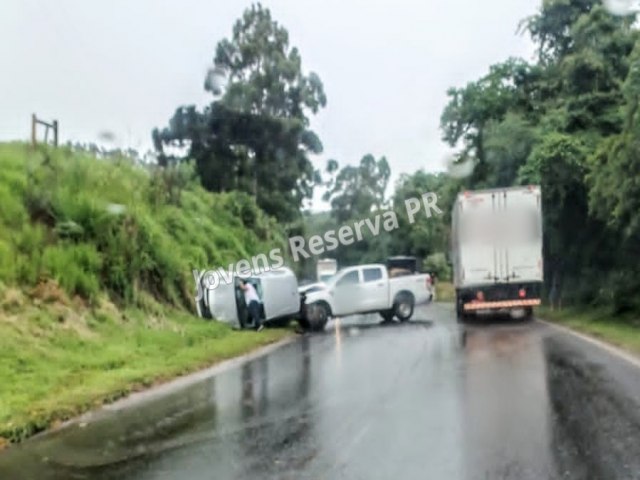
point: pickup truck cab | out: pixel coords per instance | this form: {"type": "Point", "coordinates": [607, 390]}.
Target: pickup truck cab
{"type": "Point", "coordinates": [365, 289]}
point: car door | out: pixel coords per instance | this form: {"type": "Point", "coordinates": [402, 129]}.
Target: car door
{"type": "Point", "coordinates": [347, 294]}
{"type": "Point", "coordinates": [375, 289]}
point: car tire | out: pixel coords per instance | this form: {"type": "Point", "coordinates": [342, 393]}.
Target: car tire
{"type": "Point", "coordinates": [403, 306]}
{"type": "Point", "coordinates": [204, 310]}
{"type": "Point", "coordinates": [387, 315]}
{"type": "Point", "coordinates": [317, 315]}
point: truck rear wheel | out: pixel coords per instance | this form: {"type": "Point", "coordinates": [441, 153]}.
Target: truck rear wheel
{"type": "Point", "coordinates": [528, 314]}
{"type": "Point", "coordinates": [403, 306]}
{"type": "Point", "coordinates": [461, 315]}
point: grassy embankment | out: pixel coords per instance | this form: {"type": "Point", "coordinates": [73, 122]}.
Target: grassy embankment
{"type": "Point", "coordinates": [96, 285]}
{"type": "Point", "coordinates": [620, 330]}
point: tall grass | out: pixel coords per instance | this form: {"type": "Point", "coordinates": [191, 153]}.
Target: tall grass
{"type": "Point", "coordinates": [98, 225]}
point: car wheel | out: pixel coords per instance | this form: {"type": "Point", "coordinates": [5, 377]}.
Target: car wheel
{"type": "Point", "coordinates": [403, 306]}
{"type": "Point", "coordinates": [317, 316]}
{"type": "Point", "coordinates": [204, 310]}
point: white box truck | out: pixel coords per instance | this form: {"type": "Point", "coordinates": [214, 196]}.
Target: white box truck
{"type": "Point", "coordinates": [325, 269]}
{"type": "Point", "coordinates": [497, 250]}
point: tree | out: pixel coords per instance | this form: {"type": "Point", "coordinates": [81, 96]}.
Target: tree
{"type": "Point", "coordinates": [426, 236]}
{"type": "Point", "coordinates": [569, 123]}
{"type": "Point", "coordinates": [473, 108]}
{"type": "Point", "coordinates": [255, 138]}
{"type": "Point", "coordinates": [358, 190]}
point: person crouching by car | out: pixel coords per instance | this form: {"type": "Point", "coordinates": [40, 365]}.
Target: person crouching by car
{"type": "Point", "coordinates": [252, 300]}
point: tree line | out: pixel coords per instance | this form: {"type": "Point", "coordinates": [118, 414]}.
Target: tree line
{"type": "Point", "coordinates": [567, 120]}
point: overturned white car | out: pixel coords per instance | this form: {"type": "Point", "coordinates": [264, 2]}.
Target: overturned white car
{"type": "Point", "coordinates": [278, 292]}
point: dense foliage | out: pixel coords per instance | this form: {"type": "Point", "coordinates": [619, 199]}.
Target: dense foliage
{"type": "Point", "coordinates": [569, 123]}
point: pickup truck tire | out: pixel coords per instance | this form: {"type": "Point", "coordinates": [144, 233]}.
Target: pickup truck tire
{"type": "Point", "coordinates": [387, 315]}
{"type": "Point", "coordinates": [403, 306]}
{"type": "Point", "coordinates": [317, 316]}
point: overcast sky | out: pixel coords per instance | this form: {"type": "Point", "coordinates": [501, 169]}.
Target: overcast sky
{"type": "Point", "coordinates": [124, 65]}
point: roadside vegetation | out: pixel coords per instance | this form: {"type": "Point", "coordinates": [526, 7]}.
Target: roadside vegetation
{"type": "Point", "coordinates": [445, 292]}
{"type": "Point", "coordinates": [620, 330]}
{"type": "Point", "coordinates": [96, 289]}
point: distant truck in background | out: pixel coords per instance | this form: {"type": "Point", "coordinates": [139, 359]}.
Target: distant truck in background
{"type": "Point", "coordinates": [497, 250]}
{"type": "Point", "coordinates": [325, 269]}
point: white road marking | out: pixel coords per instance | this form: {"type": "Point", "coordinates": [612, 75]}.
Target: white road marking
{"type": "Point", "coordinates": [615, 351]}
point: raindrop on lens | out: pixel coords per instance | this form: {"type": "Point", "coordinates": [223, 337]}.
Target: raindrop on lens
{"type": "Point", "coordinates": [215, 80]}
{"type": "Point", "coordinates": [107, 136]}
{"type": "Point", "coordinates": [459, 170]}
{"type": "Point", "coordinates": [621, 7]}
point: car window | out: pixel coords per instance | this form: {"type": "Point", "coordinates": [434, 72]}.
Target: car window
{"type": "Point", "coordinates": [350, 278]}
{"type": "Point", "coordinates": [372, 274]}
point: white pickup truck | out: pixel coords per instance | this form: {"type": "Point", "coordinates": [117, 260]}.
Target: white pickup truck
{"type": "Point", "coordinates": [365, 289]}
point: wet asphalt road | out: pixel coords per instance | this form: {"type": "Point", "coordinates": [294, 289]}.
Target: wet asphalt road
{"type": "Point", "coordinates": [425, 400]}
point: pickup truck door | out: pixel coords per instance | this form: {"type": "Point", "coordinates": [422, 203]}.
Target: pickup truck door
{"type": "Point", "coordinates": [347, 294]}
{"type": "Point", "coordinates": [375, 289]}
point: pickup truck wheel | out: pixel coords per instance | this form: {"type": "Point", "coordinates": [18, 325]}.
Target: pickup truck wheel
{"type": "Point", "coordinates": [403, 307]}
{"type": "Point", "coordinates": [317, 316]}
{"type": "Point", "coordinates": [387, 315]}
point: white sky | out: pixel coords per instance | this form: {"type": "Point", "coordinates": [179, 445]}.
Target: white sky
{"type": "Point", "coordinates": [124, 65]}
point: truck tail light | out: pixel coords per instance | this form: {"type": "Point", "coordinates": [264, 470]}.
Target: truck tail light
{"type": "Point", "coordinates": [428, 282]}
{"type": "Point", "coordinates": [522, 293]}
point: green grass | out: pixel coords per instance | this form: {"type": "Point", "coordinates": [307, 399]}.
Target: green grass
{"type": "Point", "coordinates": [55, 364]}
{"type": "Point", "coordinates": [57, 220]}
{"type": "Point", "coordinates": [622, 331]}
{"type": "Point", "coordinates": [96, 289]}
{"type": "Point", "coordinates": [445, 292]}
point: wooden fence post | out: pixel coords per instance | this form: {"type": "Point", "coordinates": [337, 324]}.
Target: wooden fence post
{"type": "Point", "coordinates": [33, 130]}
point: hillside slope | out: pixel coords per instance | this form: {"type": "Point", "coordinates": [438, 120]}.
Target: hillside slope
{"type": "Point", "coordinates": [96, 289]}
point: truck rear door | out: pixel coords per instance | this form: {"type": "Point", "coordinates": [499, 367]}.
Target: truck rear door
{"type": "Point", "coordinates": [478, 260]}
{"type": "Point", "coordinates": [520, 240]}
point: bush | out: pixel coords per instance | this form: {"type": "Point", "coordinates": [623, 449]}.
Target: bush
{"type": "Point", "coordinates": [437, 263]}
